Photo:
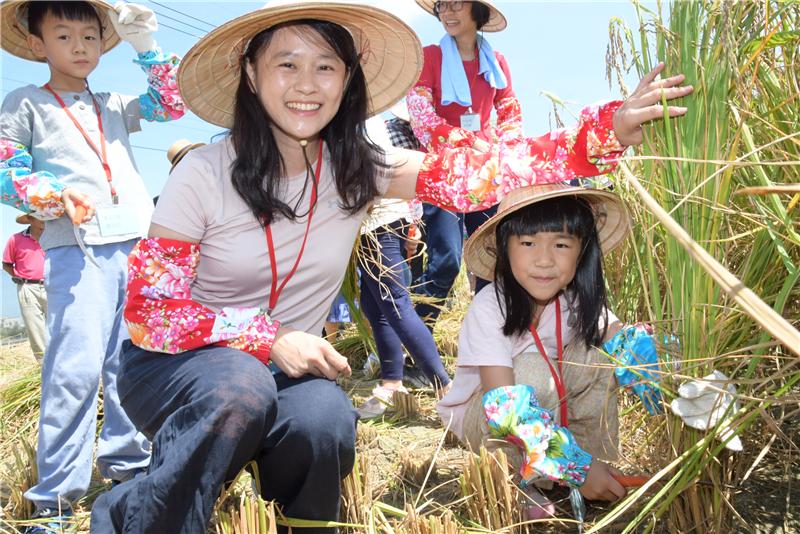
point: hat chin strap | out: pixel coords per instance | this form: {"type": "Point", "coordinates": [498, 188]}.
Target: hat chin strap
{"type": "Point", "coordinates": [303, 143]}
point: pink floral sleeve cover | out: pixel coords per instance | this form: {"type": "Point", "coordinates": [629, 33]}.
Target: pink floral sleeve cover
{"type": "Point", "coordinates": [162, 317]}
{"type": "Point", "coordinates": [549, 450]}
{"type": "Point", "coordinates": [465, 180]}
{"type": "Point", "coordinates": [40, 192]}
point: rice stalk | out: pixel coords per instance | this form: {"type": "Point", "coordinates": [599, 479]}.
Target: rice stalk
{"type": "Point", "coordinates": [743, 66]}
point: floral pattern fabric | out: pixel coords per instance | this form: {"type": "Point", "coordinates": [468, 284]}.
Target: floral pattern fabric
{"type": "Point", "coordinates": [38, 192]}
{"type": "Point", "coordinates": [467, 180]}
{"type": "Point", "coordinates": [633, 350]}
{"type": "Point", "coordinates": [549, 450]}
{"type": "Point", "coordinates": [162, 317]}
{"type": "Point", "coordinates": [162, 102]}
{"type": "Point", "coordinates": [432, 131]}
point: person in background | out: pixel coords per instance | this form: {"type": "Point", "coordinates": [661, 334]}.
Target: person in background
{"type": "Point", "coordinates": [23, 259]}
{"type": "Point", "coordinates": [463, 80]}
{"type": "Point", "coordinates": [385, 298]}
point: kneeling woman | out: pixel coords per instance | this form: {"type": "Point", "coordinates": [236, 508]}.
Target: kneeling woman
{"type": "Point", "coordinates": [249, 245]}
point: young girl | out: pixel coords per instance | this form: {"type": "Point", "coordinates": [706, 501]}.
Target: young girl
{"type": "Point", "coordinates": [527, 343]}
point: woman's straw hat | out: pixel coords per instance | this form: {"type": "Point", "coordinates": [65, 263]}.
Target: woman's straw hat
{"type": "Point", "coordinates": [14, 28]}
{"type": "Point", "coordinates": [179, 149]}
{"type": "Point", "coordinates": [497, 22]}
{"type": "Point", "coordinates": [391, 54]}
{"type": "Point", "coordinates": [609, 214]}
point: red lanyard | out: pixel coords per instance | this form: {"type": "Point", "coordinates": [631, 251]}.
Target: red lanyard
{"type": "Point", "coordinates": [557, 376]}
{"type": "Point", "coordinates": [275, 291]}
{"type": "Point", "coordinates": [101, 153]}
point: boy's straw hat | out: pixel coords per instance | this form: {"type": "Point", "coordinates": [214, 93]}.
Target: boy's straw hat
{"type": "Point", "coordinates": [391, 54]}
{"type": "Point", "coordinates": [609, 214]}
{"type": "Point", "coordinates": [14, 28]}
{"type": "Point", "coordinates": [179, 149]}
{"type": "Point", "coordinates": [25, 218]}
{"type": "Point", "coordinates": [496, 23]}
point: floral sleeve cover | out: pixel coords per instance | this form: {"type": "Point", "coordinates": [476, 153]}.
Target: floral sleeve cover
{"type": "Point", "coordinates": [162, 102]}
{"type": "Point", "coordinates": [462, 179]}
{"type": "Point", "coordinates": [509, 119]}
{"type": "Point", "coordinates": [37, 192]}
{"type": "Point", "coordinates": [550, 451]}
{"type": "Point", "coordinates": [432, 131]}
{"type": "Point", "coordinates": [162, 317]}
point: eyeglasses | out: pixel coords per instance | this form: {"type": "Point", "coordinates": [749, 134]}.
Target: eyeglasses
{"type": "Point", "coordinates": [440, 7]}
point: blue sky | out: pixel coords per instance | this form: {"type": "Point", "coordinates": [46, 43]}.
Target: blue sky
{"type": "Point", "coordinates": [555, 46]}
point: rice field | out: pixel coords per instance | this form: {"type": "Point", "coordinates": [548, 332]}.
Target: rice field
{"type": "Point", "coordinates": [725, 280]}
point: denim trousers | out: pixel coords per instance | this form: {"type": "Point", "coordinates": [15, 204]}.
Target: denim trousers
{"type": "Point", "coordinates": [444, 238]}
{"type": "Point", "coordinates": [387, 305]}
{"type": "Point", "coordinates": [86, 330]}
{"type": "Point", "coordinates": [209, 412]}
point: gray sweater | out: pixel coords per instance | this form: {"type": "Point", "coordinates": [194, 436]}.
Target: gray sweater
{"type": "Point", "coordinates": [32, 117]}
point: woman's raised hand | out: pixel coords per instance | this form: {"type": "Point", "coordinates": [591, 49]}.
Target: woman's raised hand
{"type": "Point", "coordinates": [299, 353]}
{"type": "Point", "coordinates": [645, 105]}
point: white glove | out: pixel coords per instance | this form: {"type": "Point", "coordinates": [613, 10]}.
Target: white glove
{"type": "Point", "coordinates": [703, 403]}
{"type": "Point", "coordinates": [135, 24]}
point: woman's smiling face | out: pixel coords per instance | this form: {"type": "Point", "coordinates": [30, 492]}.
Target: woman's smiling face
{"type": "Point", "coordinates": [300, 82]}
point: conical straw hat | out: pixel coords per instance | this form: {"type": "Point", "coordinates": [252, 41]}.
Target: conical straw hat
{"type": "Point", "coordinates": [610, 217]}
{"type": "Point", "coordinates": [497, 22]}
{"type": "Point", "coordinates": [391, 54]}
{"type": "Point", "coordinates": [14, 28]}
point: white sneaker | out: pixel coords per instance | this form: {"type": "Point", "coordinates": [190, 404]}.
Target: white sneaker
{"type": "Point", "coordinates": [376, 405]}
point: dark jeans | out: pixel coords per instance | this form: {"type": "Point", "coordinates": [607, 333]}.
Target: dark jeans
{"type": "Point", "coordinates": [473, 221]}
{"type": "Point", "coordinates": [387, 306]}
{"type": "Point", "coordinates": [444, 237]}
{"type": "Point", "coordinates": [208, 413]}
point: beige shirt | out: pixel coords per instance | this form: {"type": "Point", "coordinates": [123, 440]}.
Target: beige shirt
{"type": "Point", "coordinates": [200, 202]}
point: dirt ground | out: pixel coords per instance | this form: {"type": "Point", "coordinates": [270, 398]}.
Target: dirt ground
{"type": "Point", "coordinates": [400, 450]}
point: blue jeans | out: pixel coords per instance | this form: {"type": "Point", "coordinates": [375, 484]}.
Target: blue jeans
{"type": "Point", "coordinates": [84, 322]}
{"type": "Point", "coordinates": [444, 239]}
{"type": "Point", "coordinates": [209, 412]}
{"type": "Point", "coordinates": [473, 221]}
{"type": "Point", "coordinates": [387, 305]}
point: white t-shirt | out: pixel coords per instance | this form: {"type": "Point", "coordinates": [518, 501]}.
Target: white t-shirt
{"type": "Point", "coordinates": [200, 202]}
{"type": "Point", "coordinates": [482, 343]}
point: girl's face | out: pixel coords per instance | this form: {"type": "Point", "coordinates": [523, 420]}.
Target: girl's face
{"type": "Point", "coordinates": [300, 82]}
{"type": "Point", "coordinates": [544, 263]}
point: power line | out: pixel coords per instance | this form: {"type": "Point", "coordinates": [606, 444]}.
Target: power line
{"type": "Point", "coordinates": [162, 25]}
{"type": "Point", "coordinates": [149, 148]}
{"type": "Point", "coordinates": [204, 30]}
{"type": "Point", "coordinates": [184, 14]}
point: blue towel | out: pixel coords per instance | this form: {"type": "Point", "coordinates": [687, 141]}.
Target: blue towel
{"type": "Point", "coordinates": [455, 86]}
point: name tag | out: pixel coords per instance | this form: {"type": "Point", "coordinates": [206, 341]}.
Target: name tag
{"type": "Point", "coordinates": [117, 220]}
{"type": "Point", "coordinates": [471, 122]}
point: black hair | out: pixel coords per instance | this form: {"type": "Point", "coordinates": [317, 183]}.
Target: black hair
{"type": "Point", "coordinates": [480, 14]}
{"type": "Point", "coordinates": [258, 166]}
{"type": "Point", "coordinates": [570, 214]}
{"type": "Point", "coordinates": [37, 11]}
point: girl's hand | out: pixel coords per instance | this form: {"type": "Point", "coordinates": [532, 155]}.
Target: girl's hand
{"type": "Point", "coordinates": [299, 353]}
{"type": "Point", "coordinates": [71, 198]}
{"type": "Point", "coordinates": [600, 483]}
{"type": "Point", "coordinates": [645, 105]}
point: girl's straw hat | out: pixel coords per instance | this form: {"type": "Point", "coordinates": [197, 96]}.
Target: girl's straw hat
{"type": "Point", "coordinates": [609, 215]}
{"type": "Point", "coordinates": [14, 28]}
{"type": "Point", "coordinates": [497, 22]}
{"type": "Point", "coordinates": [25, 218]}
{"type": "Point", "coordinates": [391, 54]}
